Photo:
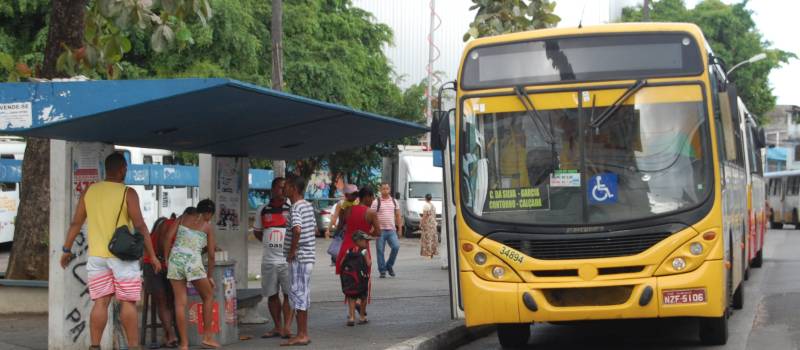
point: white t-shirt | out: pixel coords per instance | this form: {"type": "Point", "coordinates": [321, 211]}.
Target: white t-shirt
{"type": "Point", "coordinates": [274, 232]}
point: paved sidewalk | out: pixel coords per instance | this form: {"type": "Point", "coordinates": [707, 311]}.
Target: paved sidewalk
{"type": "Point", "coordinates": [413, 303]}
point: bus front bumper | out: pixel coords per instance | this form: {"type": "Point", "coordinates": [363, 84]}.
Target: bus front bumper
{"type": "Point", "coordinates": [487, 302]}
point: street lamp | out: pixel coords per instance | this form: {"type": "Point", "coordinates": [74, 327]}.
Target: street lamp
{"type": "Point", "coordinates": [753, 59]}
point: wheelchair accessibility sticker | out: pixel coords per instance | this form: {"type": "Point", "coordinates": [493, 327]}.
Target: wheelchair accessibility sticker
{"type": "Point", "coordinates": [602, 188]}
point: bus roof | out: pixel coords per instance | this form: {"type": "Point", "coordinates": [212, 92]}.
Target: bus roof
{"type": "Point", "coordinates": [636, 27]}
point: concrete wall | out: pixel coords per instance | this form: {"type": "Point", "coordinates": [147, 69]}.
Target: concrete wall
{"type": "Point", "coordinates": [68, 300]}
{"type": "Point", "coordinates": [216, 174]}
{"type": "Point", "coordinates": [22, 299]}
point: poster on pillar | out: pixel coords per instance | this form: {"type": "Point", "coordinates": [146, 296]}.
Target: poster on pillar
{"type": "Point", "coordinates": [87, 167]}
{"type": "Point", "coordinates": [228, 193]}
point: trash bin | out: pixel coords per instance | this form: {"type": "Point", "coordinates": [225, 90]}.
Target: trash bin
{"type": "Point", "coordinates": [224, 322]}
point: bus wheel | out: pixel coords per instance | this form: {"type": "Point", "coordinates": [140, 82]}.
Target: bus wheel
{"type": "Point", "coordinates": [738, 297]}
{"type": "Point", "coordinates": [714, 330]}
{"type": "Point", "coordinates": [513, 335]}
{"type": "Point", "coordinates": [758, 260]}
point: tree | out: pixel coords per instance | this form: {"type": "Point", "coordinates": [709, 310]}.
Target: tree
{"type": "Point", "coordinates": [733, 36]}
{"type": "Point", "coordinates": [277, 63]}
{"type": "Point", "coordinates": [335, 53]}
{"type": "Point", "coordinates": [82, 37]}
{"type": "Point", "coordinates": [496, 17]}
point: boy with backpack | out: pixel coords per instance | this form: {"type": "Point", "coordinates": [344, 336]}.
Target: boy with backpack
{"type": "Point", "coordinates": [355, 271]}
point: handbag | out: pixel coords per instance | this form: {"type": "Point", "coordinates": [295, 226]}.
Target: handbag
{"type": "Point", "coordinates": [336, 245]}
{"type": "Point", "coordinates": [126, 245]}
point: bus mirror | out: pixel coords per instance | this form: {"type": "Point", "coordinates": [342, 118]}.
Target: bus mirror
{"type": "Point", "coordinates": [761, 138]}
{"type": "Point", "coordinates": [440, 130]}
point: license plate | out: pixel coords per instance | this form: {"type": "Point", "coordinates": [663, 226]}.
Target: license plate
{"type": "Point", "coordinates": [684, 296]}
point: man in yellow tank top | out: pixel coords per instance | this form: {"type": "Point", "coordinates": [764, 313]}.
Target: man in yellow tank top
{"type": "Point", "coordinates": [102, 204]}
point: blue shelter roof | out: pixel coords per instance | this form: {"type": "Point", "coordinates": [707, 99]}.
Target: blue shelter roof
{"type": "Point", "coordinates": [216, 116]}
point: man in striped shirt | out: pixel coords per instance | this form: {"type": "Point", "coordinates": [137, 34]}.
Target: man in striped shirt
{"type": "Point", "coordinates": [298, 247]}
{"type": "Point", "coordinates": [389, 219]}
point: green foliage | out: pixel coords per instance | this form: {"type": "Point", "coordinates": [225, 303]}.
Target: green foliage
{"type": "Point", "coordinates": [332, 52]}
{"type": "Point", "coordinates": [509, 16]}
{"type": "Point", "coordinates": [733, 36]}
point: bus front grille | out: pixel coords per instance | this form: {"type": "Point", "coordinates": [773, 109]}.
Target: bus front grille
{"type": "Point", "coordinates": [594, 296]}
{"type": "Point", "coordinates": [588, 247]}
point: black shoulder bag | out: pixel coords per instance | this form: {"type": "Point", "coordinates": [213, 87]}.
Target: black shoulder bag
{"type": "Point", "coordinates": [126, 245]}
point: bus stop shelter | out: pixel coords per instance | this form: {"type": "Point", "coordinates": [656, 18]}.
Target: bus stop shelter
{"type": "Point", "coordinates": [226, 121]}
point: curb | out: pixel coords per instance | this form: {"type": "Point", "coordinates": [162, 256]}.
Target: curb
{"type": "Point", "coordinates": [454, 334]}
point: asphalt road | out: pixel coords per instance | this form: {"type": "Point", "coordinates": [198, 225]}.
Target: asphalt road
{"type": "Point", "coordinates": [770, 318]}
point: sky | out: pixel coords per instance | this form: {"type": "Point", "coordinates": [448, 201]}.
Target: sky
{"type": "Point", "coordinates": [410, 20]}
{"type": "Point", "coordinates": [777, 20]}
{"type": "Point", "coordinates": [774, 19]}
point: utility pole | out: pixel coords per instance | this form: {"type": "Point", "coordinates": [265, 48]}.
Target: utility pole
{"type": "Point", "coordinates": [646, 11]}
{"type": "Point", "coordinates": [276, 32]}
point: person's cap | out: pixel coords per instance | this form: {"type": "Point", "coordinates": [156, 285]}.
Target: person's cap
{"type": "Point", "coordinates": [359, 235]}
{"type": "Point", "coordinates": [349, 189]}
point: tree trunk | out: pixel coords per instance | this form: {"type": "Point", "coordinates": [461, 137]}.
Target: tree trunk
{"type": "Point", "coordinates": [646, 11]}
{"type": "Point", "coordinates": [29, 254]}
{"type": "Point", "coordinates": [276, 32]}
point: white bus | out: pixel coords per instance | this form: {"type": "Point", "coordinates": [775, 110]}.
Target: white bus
{"type": "Point", "coordinates": [11, 152]}
{"type": "Point", "coordinates": [783, 197]}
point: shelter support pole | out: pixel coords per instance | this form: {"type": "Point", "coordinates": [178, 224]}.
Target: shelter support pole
{"type": "Point", "coordinates": [73, 166]}
{"type": "Point", "coordinates": [225, 181]}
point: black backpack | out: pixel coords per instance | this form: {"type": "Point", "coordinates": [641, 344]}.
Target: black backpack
{"type": "Point", "coordinates": [354, 274]}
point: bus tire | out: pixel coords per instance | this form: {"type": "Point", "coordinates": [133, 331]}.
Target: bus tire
{"type": "Point", "coordinates": [738, 297]}
{"type": "Point", "coordinates": [513, 335]}
{"type": "Point", "coordinates": [759, 259]}
{"type": "Point", "coordinates": [714, 330]}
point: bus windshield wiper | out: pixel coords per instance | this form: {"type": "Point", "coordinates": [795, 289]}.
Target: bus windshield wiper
{"type": "Point", "coordinates": [533, 114]}
{"type": "Point", "coordinates": [603, 117]}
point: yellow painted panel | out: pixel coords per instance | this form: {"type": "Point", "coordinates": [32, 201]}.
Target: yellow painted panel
{"type": "Point", "coordinates": [488, 302]}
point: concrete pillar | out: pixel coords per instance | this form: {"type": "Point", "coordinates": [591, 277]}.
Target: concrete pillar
{"type": "Point", "coordinates": [225, 181]}
{"type": "Point", "coordinates": [73, 166]}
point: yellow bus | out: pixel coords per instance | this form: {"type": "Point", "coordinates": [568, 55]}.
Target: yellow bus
{"type": "Point", "coordinates": [597, 173]}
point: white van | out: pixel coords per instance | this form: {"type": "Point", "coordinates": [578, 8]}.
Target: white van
{"type": "Point", "coordinates": [412, 176]}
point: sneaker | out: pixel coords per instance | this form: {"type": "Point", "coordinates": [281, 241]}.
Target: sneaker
{"type": "Point", "coordinates": [383, 274]}
{"type": "Point", "coordinates": [391, 271]}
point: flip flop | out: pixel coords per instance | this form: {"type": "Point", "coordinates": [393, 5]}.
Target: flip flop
{"type": "Point", "coordinates": [271, 335]}
{"type": "Point", "coordinates": [351, 323]}
{"type": "Point", "coordinates": [171, 345]}
{"type": "Point", "coordinates": [364, 321]}
{"type": "Point", "coordinates": [297, 344]}
{"type": "Point", "coordinates": [205, 345]}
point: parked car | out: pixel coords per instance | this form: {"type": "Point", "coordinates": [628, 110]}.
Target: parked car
{"type": "Point", "coordinates": [323, 210]}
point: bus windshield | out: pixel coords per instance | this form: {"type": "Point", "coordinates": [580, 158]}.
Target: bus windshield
{"type": "Point", "coordinates": [649, 158]}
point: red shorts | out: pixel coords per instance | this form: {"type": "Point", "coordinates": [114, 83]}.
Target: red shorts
{"type": "Point", "coordinates": [112, 276]}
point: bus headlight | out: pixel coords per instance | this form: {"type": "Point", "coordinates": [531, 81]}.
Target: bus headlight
{"type": "Point", "coordinates": [498, 272]}
{"type": "Point", "coordinates": [689, 256]}
{"type": "Point", "coordinates": [678, 264]}
{"type": "Point", "coordinates": [696, 248]}
{"type": "Point", "coordinates": [480, 258]}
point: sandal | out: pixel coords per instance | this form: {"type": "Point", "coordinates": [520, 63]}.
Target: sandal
{"type": "Point", "coordinates": [364, 321]}
{"type": "Point", "coordinates": [351, 323]}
